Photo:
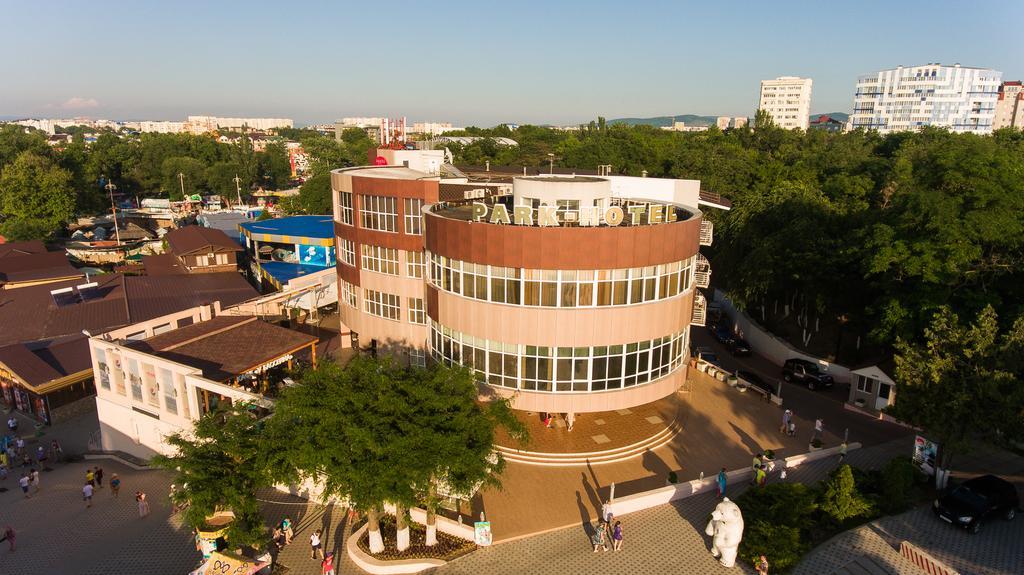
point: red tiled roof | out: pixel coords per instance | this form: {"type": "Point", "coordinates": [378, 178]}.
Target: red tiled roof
{"type": "Point", "coordinates": [162, 265]}
{"type": "Point", "coordinates": [37, 266]}
{"type": "Point", "coordinates": [225, 346]}
{"type": "Point", "coordinates": [197, 239]}
{"type": "Point", "coordinates": [21, 248]}
{"type": "Point", "coordinates": [41, 362]}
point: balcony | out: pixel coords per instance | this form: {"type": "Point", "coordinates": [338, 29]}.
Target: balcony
{"type": "Point", "coordinates": [702, 271]}
{"type": "Point", "coordinates": [700, 310]}
{"type": "Point", "coordinates": [707, 232]}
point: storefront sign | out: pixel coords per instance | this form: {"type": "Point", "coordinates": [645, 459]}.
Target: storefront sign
{"type": "Point", "coordinates": [925, 453]}
{"type": "Point", "coordinates": [270, 364]}
{"type": "Point", "coordinates": [547, 216]}
{"type": "Point", "coordinates": [482, 533]}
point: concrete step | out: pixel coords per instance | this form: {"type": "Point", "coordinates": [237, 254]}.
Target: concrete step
{"type": "Point", "coordinates": [594, 457]}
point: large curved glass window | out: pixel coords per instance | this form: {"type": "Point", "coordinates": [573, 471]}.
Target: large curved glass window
{"type": "Point", "coordinates": [561, 288]}
{"type": "Point", "coordinates": [560, 369]}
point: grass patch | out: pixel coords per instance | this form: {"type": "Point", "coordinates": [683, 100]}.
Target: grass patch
{"type": "Point", "coordinates": [447, 547]}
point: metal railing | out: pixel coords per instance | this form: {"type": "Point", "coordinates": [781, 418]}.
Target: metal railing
{"type": "Point", "coordinates": [700, 310]}
{"type": "Point", "coordinates": [707, 232]}
{"type": "Point", "coordinates": [702, 271]}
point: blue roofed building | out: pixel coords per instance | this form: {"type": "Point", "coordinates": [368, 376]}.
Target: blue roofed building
{"type": "Point", "coordinates": [285, 249]}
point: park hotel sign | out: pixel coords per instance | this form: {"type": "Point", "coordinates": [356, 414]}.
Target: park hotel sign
{"type": "Point", "coordinates": [587, 216]}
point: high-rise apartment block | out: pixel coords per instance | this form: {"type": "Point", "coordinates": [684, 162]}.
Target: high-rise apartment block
{"type": "Point", "coordinates": [1010, 106]}
{"type": "Point", "coordinates": [788, 100]}
{"type": "Point", "coordinates": [957, 97]}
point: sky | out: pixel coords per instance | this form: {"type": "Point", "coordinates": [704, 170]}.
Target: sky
{"type": "Point", "coordinates": [472, 63]}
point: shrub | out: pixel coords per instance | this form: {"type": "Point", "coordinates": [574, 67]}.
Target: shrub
{"type": "Point", "coordinates": [897, 486]}
{"type": "Point", "coordinates": [840, 499]}
{"type": "Point", "coordinates": [790, 504]}
{"type": "Point", "coordinates": [816, 443]}
{"type": "Point", "coordinates": [769, 454]}
{"type": "Point", "coordinates": [781, 544]}
{"type": "Point", "coordinates": [672, 477]}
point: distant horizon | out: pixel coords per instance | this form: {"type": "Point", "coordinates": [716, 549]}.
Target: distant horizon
{"type": "Point", "coordinates": [469, 64]}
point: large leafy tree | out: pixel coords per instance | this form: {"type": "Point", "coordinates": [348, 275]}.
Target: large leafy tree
{"type": "Point", "coordinates": [36, 197]}
{"type": "Point", "coordinates": [963, 381]}
{"type": "Point", "coordinates": [221, 464]}
{"type": "Point", "coordinates": [192, 177]}
{"type": "Point", "coordinates": [315, 194]}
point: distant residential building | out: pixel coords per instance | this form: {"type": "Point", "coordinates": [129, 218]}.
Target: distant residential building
{"type": "Point", "coordinates": [204, 124]}
{"type": "Point", "coordinates": [960, 98]}
{"type": "Point", "coordinates": [739, 122]}
{"type": "Point", "coordinates": [722, 122]}
{"type": "Point", "coordinates": [1010, 106]}
{"type": "Point", "coordinates": [431, 128]}
{"type": "Point", "coordinates": [371, 125]}
{"type": "Point", "coordinates": [787, 100]}
{"type": "Point", "coordinates": [682, 127]}
{"type": "Point", "coordinates": [195, 249]}
{"type": "Point", "coordinates": [827, 123]}
{"type": "Point", "coordinates": [161, 127]}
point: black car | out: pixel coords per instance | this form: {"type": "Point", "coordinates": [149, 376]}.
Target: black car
{"type": "Point", "coordinates": [806, 372]}
{"type": "Point", "coordinates": [974, 500]}
{"type": "Point", "coordinates": [722, 334]}
{"type": "Point", "coordinates": [739, 347]}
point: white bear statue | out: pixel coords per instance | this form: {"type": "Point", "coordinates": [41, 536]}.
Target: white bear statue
{"type": "Point", "coordinates": [726, 530]}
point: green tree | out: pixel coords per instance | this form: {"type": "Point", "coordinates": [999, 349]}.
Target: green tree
{"type": "Point", "coordinates": [221, 464]}
{"type": "Point", "coordinates": [192, 176]}
{"type": "Point", "coordinates": [315, 194]}
{"type": "Point", "coordinates": [36, 197]}
{"type": "Point", "coordinates": [962, 382]}
{"type": "Point", "coordinates": [274, 166]}
{"type": "Point", "coordinates": [840, 499]}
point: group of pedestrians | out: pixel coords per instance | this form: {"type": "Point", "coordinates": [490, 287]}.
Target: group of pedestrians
{"type": "Point", "coordinates": [607, 529]}
{"type": "Point", "coordinates": [284, 533]}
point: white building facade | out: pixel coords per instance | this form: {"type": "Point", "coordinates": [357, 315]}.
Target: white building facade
{"type": "Point", "coordinates": [787, 100]}
{"type": "Point", "coordinates": [960, 98]}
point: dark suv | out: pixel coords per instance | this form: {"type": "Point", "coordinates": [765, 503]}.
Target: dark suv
{"type": "Point", "coordinates": [967, 504]}
{"type": "Point", "coordinates": [806, 372]}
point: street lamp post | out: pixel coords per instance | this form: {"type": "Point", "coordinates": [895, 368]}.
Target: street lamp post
{"type": "Point", "coordinates": [238, 188]}
{"type": "Point", "coordinates": [551, 164]}
{"type": "Point", "coordinates": [181, 178]}
{"type": "Point", "coordinates": [113, 208]}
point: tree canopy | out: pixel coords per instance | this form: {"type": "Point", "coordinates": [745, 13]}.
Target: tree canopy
{"type": "Point", "coordinates": [36, 197]}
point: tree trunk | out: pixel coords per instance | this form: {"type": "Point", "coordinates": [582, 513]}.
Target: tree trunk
{"type": "Point", "coordinates": [402, 537]}
{"type": "Point", "coordinates": [373, 520]}
{"type": "Point", "coordinates": [431, 516]}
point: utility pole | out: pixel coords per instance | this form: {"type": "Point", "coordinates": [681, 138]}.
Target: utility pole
{"type": "Point", "coordinates": [238, 188]}
{"type": "Point", "coordinates": [113, 208]}
{"type": "Point", "coordinates": [181, 178]}
{"type": "Point", "coordinates": [551, 164]}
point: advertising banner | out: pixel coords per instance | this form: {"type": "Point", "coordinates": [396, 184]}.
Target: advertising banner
{"type": "Point", "coordinates": [925, 454]}
{"type": "Point", "coordinates": [482, 531]}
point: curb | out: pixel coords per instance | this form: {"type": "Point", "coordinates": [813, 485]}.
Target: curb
{"type": "Point", "coordinates": [378, 567]}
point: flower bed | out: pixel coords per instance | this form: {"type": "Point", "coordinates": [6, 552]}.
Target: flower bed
{"type": "Point", "coordinates": [447, 547]}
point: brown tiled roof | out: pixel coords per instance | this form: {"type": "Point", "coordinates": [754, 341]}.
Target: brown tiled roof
{"type": "Point", "coordinates": [225, 346]}
{"type": "Point", "coordinates": [162, 265]}
{"type": "Point", "coordinates": [26, 365]}
{"type": "Point", "coordinates": [197, 239]}
{"type": "Point", "coordinates": [39, 363]}
{"type": "Point", "coordinates": [30, 314]}
{"type": "Point", "coordinates": [21, 248]}
{"type": "Point", "coordinates": [38, 266]}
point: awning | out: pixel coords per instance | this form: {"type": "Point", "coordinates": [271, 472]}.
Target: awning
{"type": "Point", "coordinates": [229, 564]}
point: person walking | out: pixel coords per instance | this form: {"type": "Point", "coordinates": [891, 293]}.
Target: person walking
{"type": "Point", "coordinates": [758, 459]}
{"type": "Point", "coordinates": [722, 480]}
{"type": "Point", "coordinates": [12, 424]}
{"type": "Point", "coordinates": [115, 485]}
{"type": "Point", "coordinates": [286, 528]}
{"type": "Point", "coordinates": [87, 494]}
{"type": "Point", "coordinates": [140, 498]}
{"type": "Point", "coordinates": [314, 543]}
{"type": "Point", "coordinates": [9, 537]}
{"type": "Point", "coordinates": [598, 538]}
{"type": "Point", "coordinates": [278, 537]}
{"type": "Point", "coordinates": [24, 483]}
{"type": "Point", "coordinates": [762, 566]}
{"type": "Point", "coordinates": [40, 455]}
{"type": "Point", "coordinates": [792, 428]}
{"type": "Point", "coordinates": [760, 477]}
{"type": "Point", "coordinates": [842, 452]}
{"type": "Point", "coordinates": [90, 477]}
{"type": "Point", "coordinates": [98, 473]}
{"type": "Point", "coordinates": [617, 536]}
{"type": "Point", "coordinates": [787, 416]}
{"type": "Point", "coordinates": [327, 565]}
{"type": "Point", "coordinates": [33, 476]}
{"type": "Point", "coordinates": [819, 427]}
{"type": "Point", "coordinates": [56, 452]}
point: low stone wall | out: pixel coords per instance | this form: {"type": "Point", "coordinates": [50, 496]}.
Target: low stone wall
{"type": "Point", "coordinates": [682, 490]}
{"type": "Point", "coordinates": [371, 565]}
{"type": "Point", "coordinates": [73, 409]}
{"type": "Point", "coordinates": [771, 347]}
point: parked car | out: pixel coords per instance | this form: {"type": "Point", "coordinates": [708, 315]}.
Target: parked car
{"type": "Point", "coordinates": [755, 382]}
{"type": "Point", "coordinates": [806, 372]}
{"type": "Point", "coordinates": [706, 355]}
{"type": "Point", "coordinates": [722, 334]}
{"type": "Point", "coordinates": [975, 500]}
{"type": "Point", "coordinates": [739, 347]}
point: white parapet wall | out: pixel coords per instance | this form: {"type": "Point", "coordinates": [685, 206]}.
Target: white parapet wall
{"type": "Point", "coordinates": [682, 490]}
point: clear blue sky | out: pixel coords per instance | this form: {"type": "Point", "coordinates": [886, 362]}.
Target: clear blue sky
{"type": "Point", "coordinates": [472, 62]}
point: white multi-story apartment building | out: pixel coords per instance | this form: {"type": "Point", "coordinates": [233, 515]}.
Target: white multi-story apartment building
{"type": "Point", "coordinates": [162, 127]}
{"type": "Point", "coordinates": [957, 97]}
{"type": "Point", "coordinates": [204, 124]}
{"type": "Point", "coordinates": [1010, 106]}
{"type": "Point", "coordinates": [788, 100]}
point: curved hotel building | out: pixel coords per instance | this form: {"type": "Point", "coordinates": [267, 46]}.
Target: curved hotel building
{"type": "Point", "coordinates": [568, 294]}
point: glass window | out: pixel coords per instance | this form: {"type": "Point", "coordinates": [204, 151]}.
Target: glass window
{"type": "Point", "coordinates": [378, 213]}
{"type": "Point", "coordinates": [348, 252]}
{"type": "Point", "coordinates": [348, 294]}
{"type": "Point", "coordinates": [378, 259]}
{"type": "Point", "coordinates": [382, 304]}
{"type": "Point", "coordinates": [345, 203]}
{"type": "Point", "coordinates": [413, 216]}
{"type": "Point", "coordinates": [417, 311]}
{"type": "Point", "coordinates": [415, 264]}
